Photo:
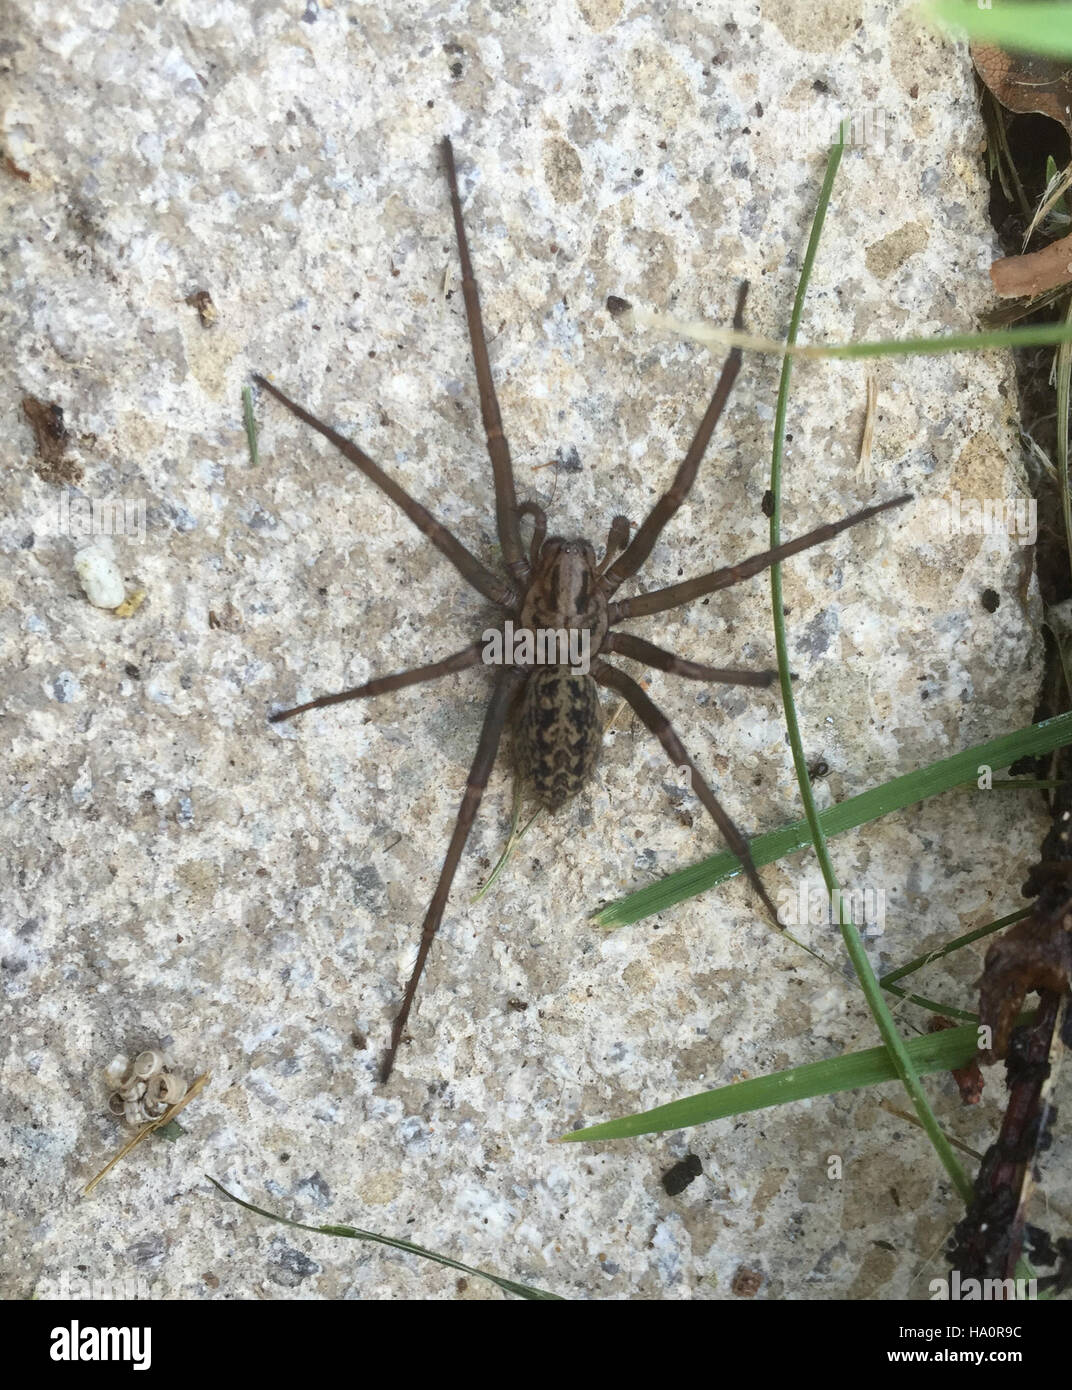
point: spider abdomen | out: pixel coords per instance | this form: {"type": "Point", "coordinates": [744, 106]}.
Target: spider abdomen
{"type": "Point", "coordinates": [558, 733]}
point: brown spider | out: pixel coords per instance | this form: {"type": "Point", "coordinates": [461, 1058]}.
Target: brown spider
{"type": "Point", "coordinates": [559, 587]}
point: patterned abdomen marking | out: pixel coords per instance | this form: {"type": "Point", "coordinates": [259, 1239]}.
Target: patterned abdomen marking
{"type": "Point", "coordinates": [559, 732]}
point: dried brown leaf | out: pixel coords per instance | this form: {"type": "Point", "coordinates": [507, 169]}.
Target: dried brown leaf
{"type": "Point", "coordinates": [1036, 954]}
{"type": "Point", "coordinates": [50, 439]}
{"type": "Point", "coordinates": [1026, 82]}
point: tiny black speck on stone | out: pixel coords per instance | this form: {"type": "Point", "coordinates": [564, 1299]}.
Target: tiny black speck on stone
{"type": "Point", "coordinates": [767, 505]}
{"type": "Point", "coordinates": [819, 85]}
{"type": "Point", "coordinates": [456, 70]}
{"type": "Point", "coordinates": [617, 306]}
{"type": "Point", "coordinates": [990, 600]}
{"type": "Point", "coordinates": [132, 671]}
{"type": "Point", "coordinates": [677, 1178]}
{"type": "Point", "coordinates": [519, 1005]}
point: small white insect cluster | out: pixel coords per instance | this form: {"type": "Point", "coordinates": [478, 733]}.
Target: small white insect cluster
{"type": "Point", "coordinates": [142, 1089]}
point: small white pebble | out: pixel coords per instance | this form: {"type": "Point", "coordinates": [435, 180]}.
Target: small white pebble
{"type": "Point", "coordinates": [100, 576]}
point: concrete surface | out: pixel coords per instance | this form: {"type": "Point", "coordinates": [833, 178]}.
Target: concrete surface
{"type": "Point", "coordinates": [179, 873]}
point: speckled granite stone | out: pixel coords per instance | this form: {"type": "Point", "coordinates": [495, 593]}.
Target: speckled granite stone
{"type": "Point", "coordinates": [179, 872]}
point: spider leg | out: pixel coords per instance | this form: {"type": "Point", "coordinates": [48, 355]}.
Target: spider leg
{"type": "Point", "coordinates": [659, 600]}
{"type": "Point", "coordinates": [640, 547]}
{"type": "Point", "coordinates": [653, 718]}
{"type": "Point", "coordinates": [463, 560]}
{"type": "Point", "coordinates": [637, 649]}
{"type": "Point", "coordinates": [506, 687]}
{"type": "Point", "coordinates": [459, 661]}
{"type": "Point", "coordinates": [498, 450]}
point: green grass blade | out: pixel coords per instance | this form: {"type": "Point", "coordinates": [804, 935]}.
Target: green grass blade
{"type": "Point", "coordinates": [850, 935]}
{"type": "Point", "coordinates": [1064, 369]}
{"type": "Point", "coordinates": [891, 796]}
{"type": "Point", "coordinates": [1030, 28]}
{"type": "Point", "coordinates": [950, 946]}
{"type": "Point", "coordinates": [1027, 335]}
{"type": "Point", "coordinates": [352, 1233]}
{"type": "Point", "coordinates": [934, 1006]}
{"type": "Point", "coordinates": [953, 1047]}
{"type": "Point", "coordinates": [1021, 336]}
{"type": "Point", "coordinates": [251, 425]}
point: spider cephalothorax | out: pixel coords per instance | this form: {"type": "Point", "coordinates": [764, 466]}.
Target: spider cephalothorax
{"type": "Point", "coordinates": [565, 591]}
{"type": "Point", "coordinates": [558, 589]}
